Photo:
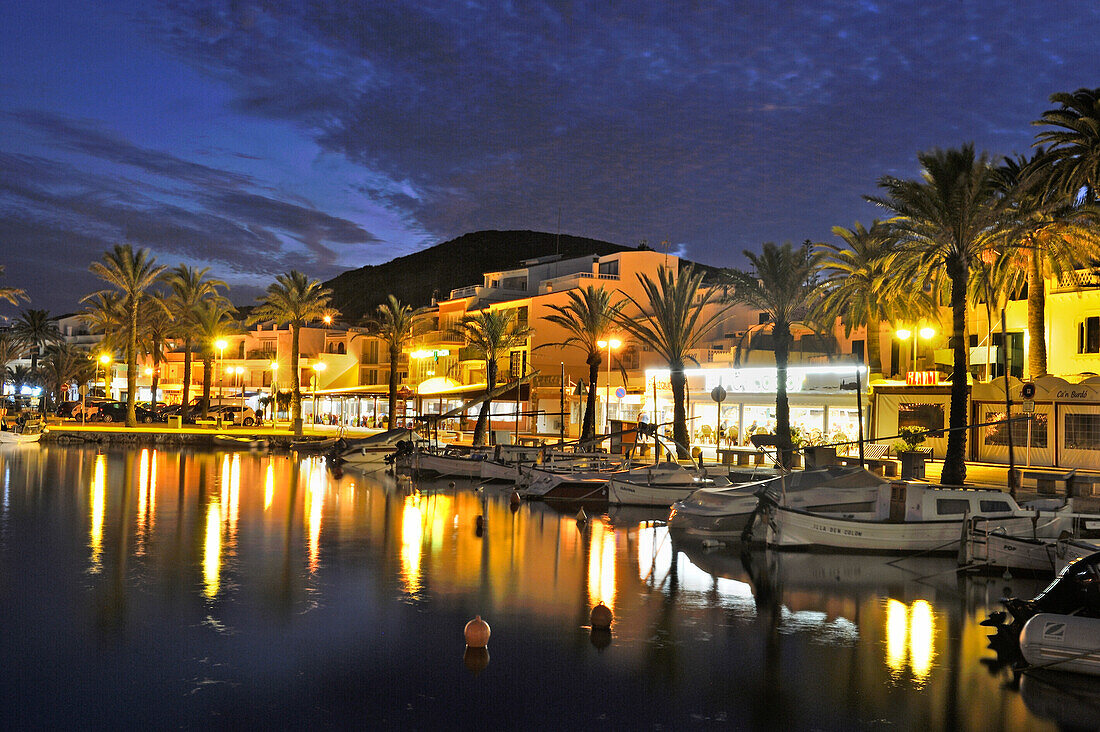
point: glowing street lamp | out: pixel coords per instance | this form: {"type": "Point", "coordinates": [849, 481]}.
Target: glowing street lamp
{"type": "Point", "coordinates": [903, 335]}
{"type": "Point", "coordinates": [926, 333]}
{"type": "Point", "coordinates": [105, 359]}
{"type": "Point", "coordinates": [317, 369]}
{"type": "Point", "coordinates": [220, 344]}
{"type": "Point", "coordinates": [610, 345]}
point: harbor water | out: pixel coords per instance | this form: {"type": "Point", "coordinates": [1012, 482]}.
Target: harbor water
{"type": "Point", "coordinates": [160, 588]}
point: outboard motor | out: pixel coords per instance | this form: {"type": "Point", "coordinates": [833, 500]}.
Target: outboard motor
{"type": "Point", "coordinates": [404, 447]}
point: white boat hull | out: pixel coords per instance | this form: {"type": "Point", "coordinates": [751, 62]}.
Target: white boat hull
{"type": "Point", "coordinates": [1062, 642]}
{"type": "Point", "coordinates": [791, 529]}
{"type": "Point", "coordinates": [444, 466]}
{"type": "Point", "coordinates": [998, 550]}
{"type": "Point", "coordinates": [13, 438]}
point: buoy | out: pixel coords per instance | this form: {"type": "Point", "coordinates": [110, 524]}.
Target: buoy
{"type": "Point", "coordinates": [601, 639]}
{"type": "Point", "coordinates": [477, 633]}
{"type": "Point", "coordinates": [476, 659]}
{"type": "Point", "coordinates": [582, 517]}
{"type": "Point", "coordinates": [600, 617]}
{"type": "Point", "coordinates": [479, 522]}
{"type": "Point", "coordinates": [451, 484]}
{"type": "Point", "coordinates": [514, 498]}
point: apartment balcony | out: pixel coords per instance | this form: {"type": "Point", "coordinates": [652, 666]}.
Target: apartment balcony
{"type": "Point", "coordinates": [572, 281]}
{"type": "Point", "coordinates": [1080, 279]}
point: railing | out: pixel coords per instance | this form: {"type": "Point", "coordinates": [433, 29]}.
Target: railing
{"type": "Point", "coordinates": [468, 291]}
{"type": "Point", "coordinates": [564, 282]}
{"type": "Point", "coordinates": [1078, 280]}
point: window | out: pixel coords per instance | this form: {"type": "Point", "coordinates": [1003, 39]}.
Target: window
{"type": "Point", "coordinates": [517, 363]}
{"type": "Point", "coordinates": [925, 416]}
{"type": "Point", "coordinates": [764, 318]}
{"type": "Point", "coordinates": [1083, 431]}
{"type": "Point", "coordinates": [994, 507]}
{"type": "Point", "coordinates": [521, 317]}
{"type": "Point", "coordinates": [952, 506]}
{"type": "Point", "coordinates": [1088, 335]}
{"type": "Point", "coordinates": [609, 268]}
{"type": "Point", "coordinates": [857, 349]}
{"type": "Point", "coordinates": [996, 434]}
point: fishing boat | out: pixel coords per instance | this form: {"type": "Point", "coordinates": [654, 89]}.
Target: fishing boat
{"type": "Point", "coordinates": [231, 442]}
{"type": "Point", "coordinates": [28, 431]}
{"type": "Point", "coordinates": [447, 461]}
{"type": "Point", "coordinates": [906, 517]}
{"type": "Point", "coordinates": [659, 485]}
{"type": "Point", "coordinates": [724, 513]}
{"type": "Point", "coordinates": [571, 477]}
{"type": "Point", "coordinates": [373, 450]}
{"type": "Point", "coordinates": [991, 548]}
{"type": "Point", "coordinates": [505, 462]}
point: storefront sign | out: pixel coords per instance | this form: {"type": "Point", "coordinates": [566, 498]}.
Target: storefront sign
{"type": "Point", "coordinates": [755, 380]}
{"type": "Point", "coordinates": [922, 378]}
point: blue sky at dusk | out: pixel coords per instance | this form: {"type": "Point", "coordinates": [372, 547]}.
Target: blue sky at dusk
{"type": "Point", "coordinates": [259, 137]}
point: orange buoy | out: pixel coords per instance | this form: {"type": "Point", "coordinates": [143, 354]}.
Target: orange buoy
{"type": "Point", "coordinates": [600, 617]}
{"type": "Point", "coordinates": [477, 633]}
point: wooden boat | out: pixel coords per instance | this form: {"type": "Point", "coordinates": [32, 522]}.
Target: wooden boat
{"type": "Point", "coordinates": [374, 450]}
{"type": "Point", "coordinates": [29, 432]}
{"type": "Point", "coordinates": [991, 548]}
{"type": "Point", "coordinates": [906, 517]}
{"type": "Point", "coordinates": [724, 513]}
{"type": "Point", "coordinates": [659, 485]}
{"type": "Point", "coordinates": [231, 442]}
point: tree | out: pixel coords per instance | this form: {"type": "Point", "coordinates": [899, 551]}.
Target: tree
{"type": "Point", "coordinates": [213, 318]}
{"type": "Point", "coordinates": [865, 283]}
{"type": "Point", "coordinates": [945, 220]}
{"type": "Point", "coordinates": [154, 329]}
{"type": "Point", "coordinates": [190, 288]}
{"type": "Point", "coordinates": [1072, 138]}
{"type": "Point", "coordinates": [296, 300]}
{"type": "Point", "coordinates": [491, 334]}
{"type": "Point", "coordinates": [395, 324]}
{"type": "Point", "coordinates": [1053, 234]}
{"type": "Point", "coordinates": [131, 274]}
{"type": "Point", "coordinates": [783, 284]}
{"type": "Point", "coordinates": [11, 294]}
{"type": "Point", "coordinates": [34, 329]}
{"type": "Point", "coordinates": [588, 317]}
{"type": "Point", "coordinates": [670, 320]}
{"type": "Point", "coordinates": [64, 363]}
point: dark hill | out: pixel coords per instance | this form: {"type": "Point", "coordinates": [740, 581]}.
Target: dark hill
{"type": "Point", "coordinates": [415, 278]}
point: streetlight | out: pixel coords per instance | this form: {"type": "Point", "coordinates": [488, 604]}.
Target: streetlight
{"type": "Point", "coordinates": [274, 392]}
{"type": "Point", "coordinates": [220, 344]}
{"type": "Point", "coordinates": [610, 345]}
{"type": "Point", "coordinates": [104, 358]}
{"type": "Point", "coordinates": [926, 333]}
{"type": "Point", "coordinates": [317, 369]}
{"type": "Point", "coordinates": [903, 334]}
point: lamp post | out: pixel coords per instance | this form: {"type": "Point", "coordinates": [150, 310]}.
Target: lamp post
{"type": "Point", "coordinates": [317, 369]}
{"type": "Point", "coordinates": [105, 359]}
{"type": "Point", "coordinates": [274, 393]}
{"type": "Point", "coordinates": [903, 335]}
{"type": "Point", "coordinates": [610, 345]}
{"type": "Point", "coordinates": [239, 371]}
{"type": "Point", "coordinates": [220, 344]}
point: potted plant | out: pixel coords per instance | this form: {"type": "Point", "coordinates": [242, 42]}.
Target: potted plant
{"type": "Point", "coordinates": [910, 454]}
{"type": "Point", "coordinates": [819, 454]}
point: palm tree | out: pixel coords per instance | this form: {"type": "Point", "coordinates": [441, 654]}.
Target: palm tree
{"type": "Point", "coordinates": [64, 363]}
{"type": "Point", "coordinates": [945, 220]}
{"type": "Point", "coordinates": [155, 328]}
{"type": "Point", "coordinates": [295, 299]}
{"type": "Point", "coordinates": [212, 318]}
{"type": "Point", "coordinates": [672, 323]}
{"type": "Point", "coordinates": [783, 284]}
{"type": "Point", "coordinates": [1072, 137]}
{"type": "Point", "coordinates": [395, 324]}
{"type": "Point", "coordinates": [1054, 234]}
{"type": "Point", "coordinates": [34, 329]}
{"type": "Point", "coordinates": [865, 284]}
{"type": "Point", "coordinates": [131, 274]}
{"type": "Point", "coordinates": [190, 287]}
{"type": "Point", "coordinates": [491, 334]}
{"type": "Point", "coordinates": [588, 317]}
{"type": "Point", "coordinates": [11, 294]}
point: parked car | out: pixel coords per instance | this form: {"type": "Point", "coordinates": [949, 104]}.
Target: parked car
{"type": "Point", "coordinates": [73, 410]}
{"type": "Point", "coordinates": [235, 414]}
{"type": "Point", "coordinates": [116, 412]}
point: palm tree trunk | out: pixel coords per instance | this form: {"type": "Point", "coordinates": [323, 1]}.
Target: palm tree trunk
{"type": "Point", "coordinates": [156, 374]}
{"type": "Point", "coordinates": [184, 411]}
{"type": "Point", "coordinates": [1036, 317]}
{"type": "Point", "coordinates": [207, 377]}
{"type": "Point", "coordinates": [678, 380]}
{"type": "Point", "coordinates": [781, 335]}
{"type": "Point", "coordinates": [874, 346]}
{"type": "Point", "coordinates": [395, 355]}
{"type": "Point", "coordinates": [954, 462]}
{"type": "Point", "coordinates": [131, 366]}
{"type": "Point", "coordinates": [295, 388]}
{"type": "Point", "coordinates": [483, 415]}
{"type": "Point", "coordinates": [588, 426]}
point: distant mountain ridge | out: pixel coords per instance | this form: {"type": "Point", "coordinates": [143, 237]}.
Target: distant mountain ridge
{"type": "Point", "coordinates": [416, 277]}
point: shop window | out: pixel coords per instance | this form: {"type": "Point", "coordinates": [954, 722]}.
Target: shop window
{"type": "Point", "coordinates": [1083, 431]}
{"type": "Point", "coordinates": [1088, 335]}
{"type": "Point", "coordinates": [996, 434]}
{"type": "Point", "coordinates": [952, 506]}
{"type": "Point", "coordinates": [925, 416]}
{"type": "Point", "coordinates": [521, 317]}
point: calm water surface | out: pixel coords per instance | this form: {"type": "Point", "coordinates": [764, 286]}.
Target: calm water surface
{"type": "Point", "coordinates": [164, 588]}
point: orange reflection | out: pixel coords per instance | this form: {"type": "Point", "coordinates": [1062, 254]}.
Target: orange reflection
{"type": "Point", "coordinates": [601, 565]}
{"type": "Point", "coordinates": [910, 635]}
{"type": "Point", "coordinates": [897, 618]}
{"type": "Point", "coordinates": [314, 506]}
{"type": "Point", "coordinates": [147, 496]}
{"type": "Point", "coordinates": [269, 489]}
{"type": "Point", "coordinates": [412, 535]}
{"type": "Point", "coordinates": [99, 493]}
{"type": "Point", "coordinates": [212, 550]}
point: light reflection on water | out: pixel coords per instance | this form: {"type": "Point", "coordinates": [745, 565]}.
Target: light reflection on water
{"type": "Point", "coordinates": [366, 578]}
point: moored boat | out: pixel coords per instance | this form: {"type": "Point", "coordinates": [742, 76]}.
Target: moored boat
{"type": "Point", "coordinates": [374, 450]}
{"type": "Point", "coordinates": [991, 548]}
{"type": "Point", "coordinates": [659, 485]}
{"type": "Point", "coordinates": [22, 433]}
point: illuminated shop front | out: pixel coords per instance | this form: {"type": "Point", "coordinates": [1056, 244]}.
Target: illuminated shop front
{"type": "Point", "coordinates": [823, 403]}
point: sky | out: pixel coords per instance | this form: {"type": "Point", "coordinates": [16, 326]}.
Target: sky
{"type": "Point", "coordinates": [258, 137]}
